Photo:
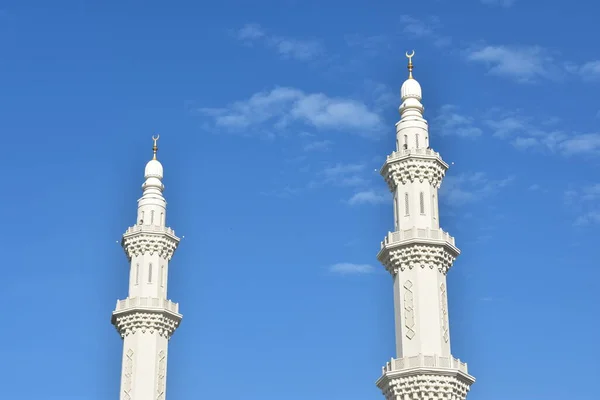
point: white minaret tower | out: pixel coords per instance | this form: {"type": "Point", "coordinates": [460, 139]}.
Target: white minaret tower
{"type": "Point", "coordinates": [418, 254]}
{"type": "Point", "coordinates": [146, 319]}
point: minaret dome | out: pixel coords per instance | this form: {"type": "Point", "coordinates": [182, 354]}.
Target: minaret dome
{"type": "Point", "coordinates": [411, 87]}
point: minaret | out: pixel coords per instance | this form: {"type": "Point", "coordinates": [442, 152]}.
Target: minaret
{"type": "Point", "coordinates": [146, 319]}
{"type": "Point", "coordinates": [418, 255]}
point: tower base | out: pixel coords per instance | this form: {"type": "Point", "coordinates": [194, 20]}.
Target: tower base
{"type": "Point", "coordinates": [425, 378]}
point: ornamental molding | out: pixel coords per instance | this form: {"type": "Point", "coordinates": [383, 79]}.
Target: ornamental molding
{"type": "Point", "coordinates": [127, 374]}
{"type": "Point", "coordinates": [161, 381]}
{"type": "Point", "coordinates": [141, 242]}
{"type": "Point", "coordinates": [444, 312]}
{"type": "Point", "coordinates": [413, 255]}
{"type": "Point", "coordinates": [408, 169]}
{"type": "Point", "coordinates": [161, 323]}
{"type": "Point", "coordinates": [409, 310]}
{"type": "Point", "coordinates": [435, 386]}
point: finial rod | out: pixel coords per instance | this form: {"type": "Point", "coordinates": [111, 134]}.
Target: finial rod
{"type": "Point", "coordinates": [155, 147]}
{"type": "Point", "coordinates": [410, 64]}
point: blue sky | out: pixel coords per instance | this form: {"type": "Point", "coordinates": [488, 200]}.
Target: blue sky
{"type": "Point", "coordinates": [274, 119]}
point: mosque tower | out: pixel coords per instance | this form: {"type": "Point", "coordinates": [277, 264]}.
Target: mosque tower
{"type": "Point", "coordinates": [146, 319]}
{"type": "Point", "coordinates": [418, 255]}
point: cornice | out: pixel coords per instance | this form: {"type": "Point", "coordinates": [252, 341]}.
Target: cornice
{"type": "Point", "coordinates": [401, 253]}
{"type": "Point", "coordinates": [141, 239]}
{"type": "Point", "coordinates": [414, 164]}
{"type": "Point", "coordinates": [131, 321]}
{"type": "Point", "coordinates": [425, 383]}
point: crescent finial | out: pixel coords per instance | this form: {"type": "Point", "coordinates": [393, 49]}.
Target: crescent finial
{"type": "Point", "coordinates": [410, 64]}
{"type": "Point", "coordinates": [155, 147]}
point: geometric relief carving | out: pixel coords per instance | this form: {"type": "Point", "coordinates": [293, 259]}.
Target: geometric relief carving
{"type": "Point", "coordinates": [162, 361]}
{"type": "Point", "coordinates": [418, 255]}
{"type": "Point", "coordinates": [142, 243]}
{"type": "Point", "coordinates": [409, 310]}
{"type": "Point", "coordinates": [430, 387]}
{"type": "Point", "coordinates": [444, 303]}
{"type": "Point", "coordinates": [146, 322]}
{"type": "Point", "coordinates": [128, 374]}
{"type": "Point", "coordinates": [411, 169]}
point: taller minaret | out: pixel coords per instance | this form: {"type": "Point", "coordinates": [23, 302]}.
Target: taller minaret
{"type": "Point", "coordinates": [146, 319]}
{"type": "Point", "coordinates": [418, 255]}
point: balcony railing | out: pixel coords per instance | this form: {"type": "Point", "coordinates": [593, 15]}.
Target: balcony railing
{"type": "Point", "coordinates": [417, 233]}
{"type": "Point", "coordinates": [148, 303]}
{"type": "Point", "coordinates": [424, 361]}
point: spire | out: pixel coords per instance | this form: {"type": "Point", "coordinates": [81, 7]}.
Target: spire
{"type": "Point", "coordinates": [410, 93]}
{"type": "Point", "coordinates": [155, 147]}
{"type": "Point", "coordinates": [410, 64]}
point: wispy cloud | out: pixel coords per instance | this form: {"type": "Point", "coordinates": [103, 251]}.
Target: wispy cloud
{"type": "Point", "coordinates": [299, 49]}
{"type": "Point", "coordinates": [500, 3]}
{"type": "Point", "coordinates": [585, 201]}
{"type": "Point", "coordinates": [342, 175]}
{"type": "Point", "coordinates": [470, 187]}
{"type": "Point", "coordinates": [449, 121]}
{"type": "Point", "coordinates": [424, 29]}
{"type": "Point", "coordinates": [319, 145]}
{"type": "Point", "coordinates": [350, 268]}
{"type": "Point", "coordinates": [283, 193]}
{"type": "Point", "coordinates": [525, 64]}
{"type": "Point", "coordinates": [530, 64]}
{"type": "Point", "coordinates": [369, 197]}
{"type": "Point", "coordinates": [282, 106]}
{"type": "Point", "coordinates": [521, 131]}
{"type": "Point", "coordinates": [589, 71]}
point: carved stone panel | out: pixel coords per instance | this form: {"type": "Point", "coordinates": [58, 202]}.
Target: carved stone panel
{"type": "Point", "coordinates": [409, 311]}
{"type": "Point", "coordinates": [444, 312]}
{"type": "Point", "coordinates": [128, 374]}
{"type": "Point", "coordinates": [161, 381]}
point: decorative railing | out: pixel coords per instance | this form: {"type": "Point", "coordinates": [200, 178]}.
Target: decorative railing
{"type": "Point", "coordinates": [408, 152]}
{"type": "Point", "coordinates": [423, 361]}
{"type": "Point", "coordinates": [417, 233]}
{"type": "Point", "coordinates": [147, 302]}
{"type": "Point", "coordinates": [150, 228]}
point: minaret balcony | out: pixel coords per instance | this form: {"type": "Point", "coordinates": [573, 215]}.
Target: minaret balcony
{"type": "Point", "coordinates": [424, 361]}
{"type": "Point", "coordinates": [417, 247]}
{"type": "Point", "coordinates": [413, 152]}
{"type": "Point", "coordinates": [141, 239]}
{"type": "Point", "coordinates": [146, 303]}
{"type": "Point", "coordinates": [408, 165]}
{"type": "Point", "coordinates": [150, 229]}
{"type": "Point", "coordinates": [394, 239]}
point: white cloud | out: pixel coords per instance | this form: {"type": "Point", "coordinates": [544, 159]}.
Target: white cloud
{"type": "Point", "coordinates": [250, 32]}
{"type": "Point", "coordinates": [470, 188]}
{"type": "Point", "coordinates": [535, 187]}
{"type": "Point", "coordinates": [449, 122]}
{"type": "Point", "coordinates": [589, 71]}
{"type": "Point", "coordinates": [501, 3]}
{"type": "Point", "coordinates": [524, 133]}
{"type": "Point", "coordinates": [521, 63]}
{"type": "Point", "coordinates": [424, 29]}
{"type": "Point", "coordinates": [302, 50]}
{"type": "Point", "coordinates": [283, 105]}
{"type": "Point", "coordinates": [349, 268]}
{"type": "Point", "coordinates": [319, 145]}
{"type": "Point", "coordinates": [368, 197]}
{"type": "Point", "coordinates": [589, 218]}
{"type": "Point", "coordinates": [342, 175]}
{"type": "Point", "coordinates": [584, 201]}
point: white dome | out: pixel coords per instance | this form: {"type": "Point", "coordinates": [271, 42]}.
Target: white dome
{"type": "Point", "coordinates": [154, 169]}
{"type": "Point", "coordinates": [410, 89]}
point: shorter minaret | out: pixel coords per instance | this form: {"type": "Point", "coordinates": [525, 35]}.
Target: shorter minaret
{"type": "Point", "coordinates": [146, 319]}
{"type": "Point", "coordinates": [418, 255]}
